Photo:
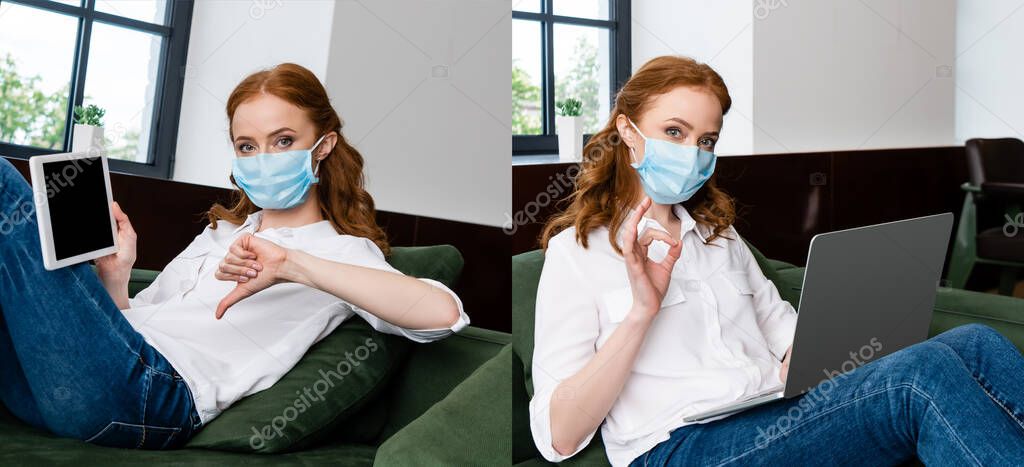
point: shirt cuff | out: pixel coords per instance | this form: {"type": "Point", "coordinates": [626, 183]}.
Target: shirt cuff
{"type": "Point", "coordinates": [133, 302]}
{"type": "Point", "coordinates": [780, 336]}
{"type": "Point", "coordinates": [430, 335]}
{"type": "Point", "coordinates": [540, 426]}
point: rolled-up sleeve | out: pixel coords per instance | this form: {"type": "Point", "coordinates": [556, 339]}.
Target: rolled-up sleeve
{"type": "Point", "coordinates": [565, 335]}
{"type": "Point", "coordinates": [363, 252]}
{"type": "Point", "coordinates": [418, 335]}
{"type": "Point", "coordinates": [775, 317]}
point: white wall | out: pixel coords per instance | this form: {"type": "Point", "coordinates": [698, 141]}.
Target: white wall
{"type": "Point", "coordinates": [852, 74]}
{"type": "Point", "coordinates": [711, 31]}
{"type": "Point", "coordinates": [810, 75]}
{"type": "Point", "coordinates": [230, 40]}
{"type": "Point", "coordinates": [989, 69]}
{"type": "Point", "coordinates": [423, 89]}
{"type": "Point", "coordinates": [421, 86]}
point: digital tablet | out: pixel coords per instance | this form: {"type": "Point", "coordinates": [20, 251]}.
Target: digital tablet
{"type": "Point", "coordinates": [73, 207]}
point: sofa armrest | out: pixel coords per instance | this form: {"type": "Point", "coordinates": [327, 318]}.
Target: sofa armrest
{"type": "Point", "coordinates": [471, 426]}
{"type": "Point", "coordinates": [956, 307]}
{"type": "Point", "coordinates": [433, 370]}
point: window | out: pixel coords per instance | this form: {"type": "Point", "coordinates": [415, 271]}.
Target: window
{"type": "Point", "coordinates": [563, 49]}
{"type": "Point", "coordinates": [124, 56]}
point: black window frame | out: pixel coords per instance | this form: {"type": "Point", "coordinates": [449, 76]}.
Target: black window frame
{"type": "Point", "coordinates": [170, 80]}
{"type": "Point", "coordinates": [620, 62]}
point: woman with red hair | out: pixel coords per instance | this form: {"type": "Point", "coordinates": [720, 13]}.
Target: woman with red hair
{"type": "Point", "coordinates": [650, 308]}
{"type": "Point", "coordinates": [298, 253]}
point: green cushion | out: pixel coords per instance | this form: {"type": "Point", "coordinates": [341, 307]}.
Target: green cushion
{"type": "Point", "coordinates": [526, 268]}
{"type": "Point", "coordinates": [279, 419]}
{"type": "Point", "coordinates": [472, 426]}
{"type": "Point", "coordinates": [442, 263]}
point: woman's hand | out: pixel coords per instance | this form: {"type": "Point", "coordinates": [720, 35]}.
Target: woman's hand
{"type": "Point", "coordinates": [118, 266]}
{"type": "Point", "coordinates": [648, 279]}
{"type": "Point", "coordinates": [115, 270]}
{"type": "Point", "coordinates": [254, 264]}
{"type": "Point", "coordinates": [784, 371]}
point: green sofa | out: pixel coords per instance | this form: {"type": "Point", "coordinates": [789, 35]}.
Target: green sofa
{"type": "Point", "coordinates": [953, 307]}
{"type": "Point", "coordinates": [420, 417]}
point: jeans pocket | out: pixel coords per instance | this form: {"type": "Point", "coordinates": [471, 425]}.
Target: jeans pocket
{"type": "Point", "coordinates": [128, 435]}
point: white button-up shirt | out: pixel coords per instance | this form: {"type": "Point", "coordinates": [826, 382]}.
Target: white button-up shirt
{"type": "Point", "coordinates": [263, 336]}
{"type": "Point", "coordinates": [720, 335]}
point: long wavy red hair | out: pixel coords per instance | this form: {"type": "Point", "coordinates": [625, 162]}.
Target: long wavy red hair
{"type": "Point", "coordinates": [607, 185]}
{"type": "Point", "coordinates": [343, 199]}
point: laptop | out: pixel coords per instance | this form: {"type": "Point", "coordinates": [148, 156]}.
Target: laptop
{"type": "Point", "coordinates": [867, 292]}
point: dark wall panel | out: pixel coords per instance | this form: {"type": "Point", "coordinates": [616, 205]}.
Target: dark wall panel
{"type": "Point", "coordinates": [783, 200]}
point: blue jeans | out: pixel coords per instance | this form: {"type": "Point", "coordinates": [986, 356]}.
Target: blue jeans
{"type": "Point", "coordinates": [70, 363]}
{"type": "Point", "coordinates": [955, 399]}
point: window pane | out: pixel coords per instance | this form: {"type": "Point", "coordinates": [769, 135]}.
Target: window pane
{"type": "Point", "coordinates": [582, 71]}
{"type": "Point", "coordinates": [35, 73]}
{"type": "Point", "coordinates": [121, 79]}
{"type": "Point", "coordinates": [527, 107]}
{"type": "Point", "coordinates": [593, 9]}
{"type": "Point", "coordinates": [150, 11]}
{"type": "Point", "coordinates": [70, 2]}
{"type": "Point", "coordinates": [532, 6]}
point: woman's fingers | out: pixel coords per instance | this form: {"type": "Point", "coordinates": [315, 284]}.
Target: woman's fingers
{"type": "Point", "coordinates": [632, 224]}
{"type": "Point", "coordinates": [644, 205]}
{"type": "Point", "coordinates": [237, 250]}
{"type": "Point", "coordinates": [233, 260]}
{"type": "Point", "coordinates": [222, 276]}
{"type": "Point", "coordinates": [238, 267]}
{"type": "Point", "coordinates": [784, 370]}
{"type": "Point", "coordinates": [674, 252]}
{"type": "Point", "coordinates": [239, 264]}
{"type": "Point", "coordinates": [234, 268]}
{"type": "Point", "coordinates": [650, 235]}
{"type": "Point", "coordinates": [241, 257]}
{"type": "Point", "coordinates": [123, 223]}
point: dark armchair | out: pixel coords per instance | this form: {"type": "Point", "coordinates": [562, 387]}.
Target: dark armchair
{"type": "Point", "coordinates": [996, 169]}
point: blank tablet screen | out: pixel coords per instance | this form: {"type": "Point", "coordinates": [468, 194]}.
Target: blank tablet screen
{"type": "Point", "coordinates": [79, 215]}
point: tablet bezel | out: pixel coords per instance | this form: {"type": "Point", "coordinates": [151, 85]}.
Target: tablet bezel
{"type": "Point", "coordinates": [50, 261]}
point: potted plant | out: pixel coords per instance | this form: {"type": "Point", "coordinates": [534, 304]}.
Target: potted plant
{"type": "Point", "coordinates": [88, 132]}
{"type": "Point", "coordinates": [569, 126]}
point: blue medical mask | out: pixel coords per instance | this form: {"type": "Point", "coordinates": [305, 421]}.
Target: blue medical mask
{"type": "Point", "coordinates": [671, 173]}
{"type": "Point", "coordinates": [277, 180]}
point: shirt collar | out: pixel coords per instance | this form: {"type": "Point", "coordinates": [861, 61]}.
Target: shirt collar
{"type": "Point", "coordinates": [316, 230]}
{"type": "Point", "coordinates": [687, 223]}
{"type": "Point", "coordinates": [250, 220]}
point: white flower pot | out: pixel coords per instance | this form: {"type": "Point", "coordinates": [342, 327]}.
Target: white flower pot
{"type": "Point", "coordinates": [86, 138]}
{"type": "Point", "coordinates": [570, 138]}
